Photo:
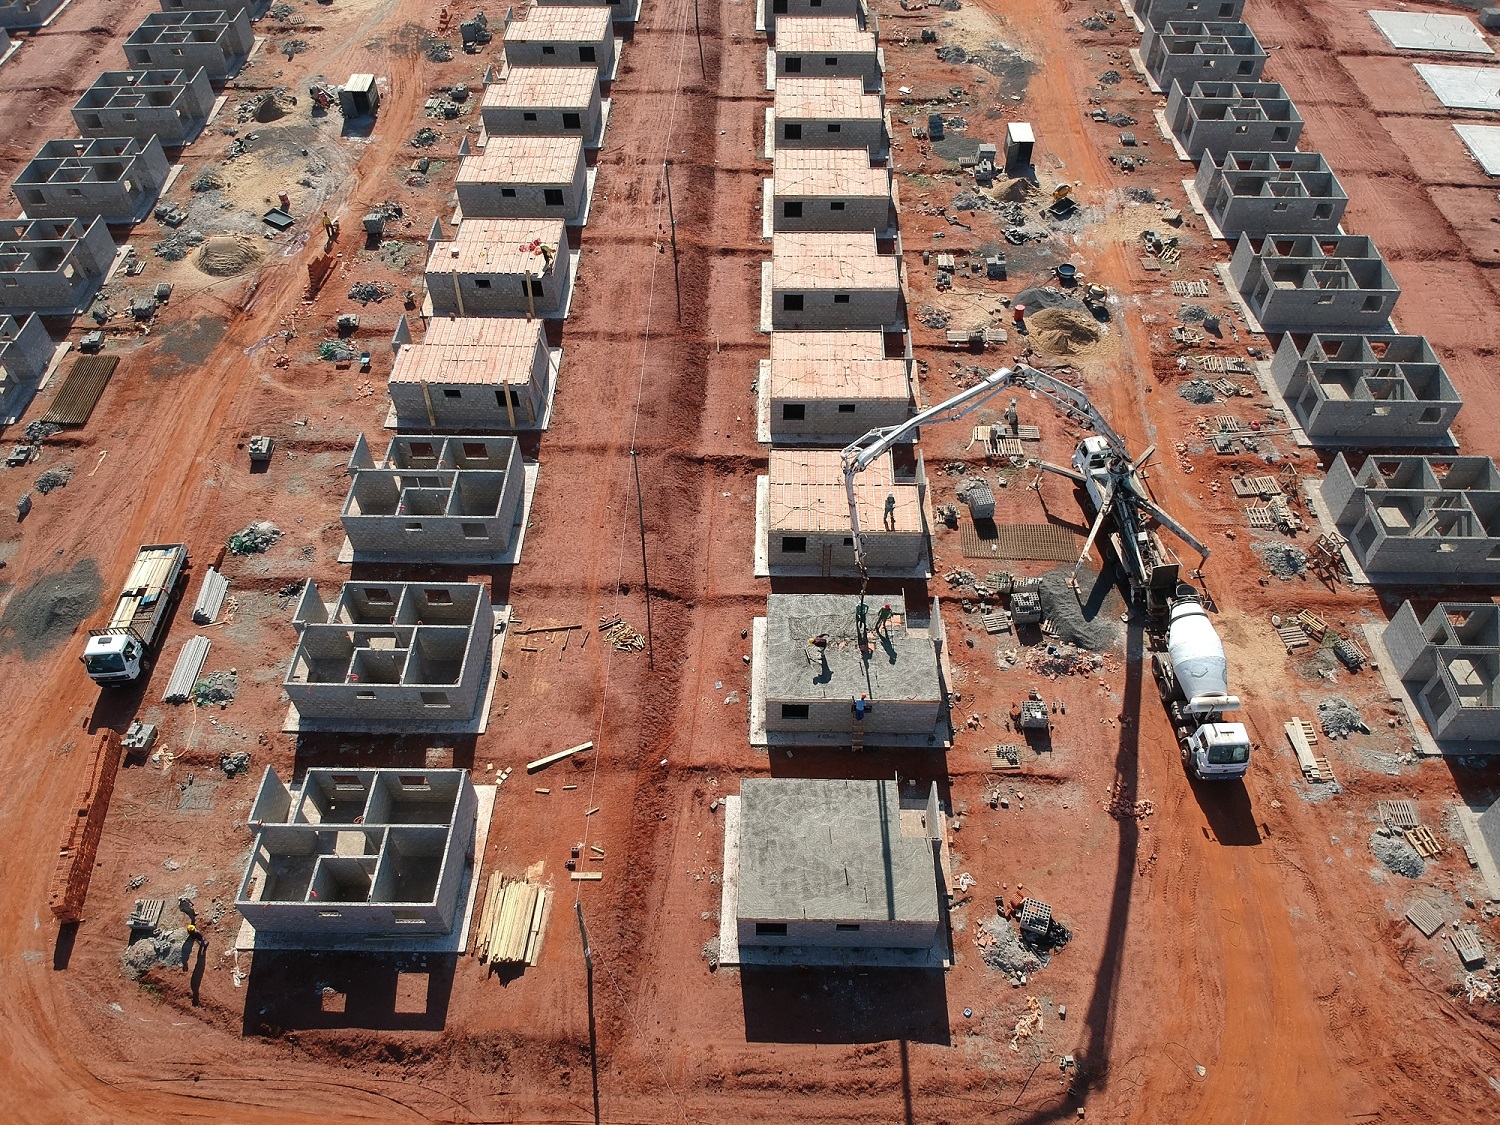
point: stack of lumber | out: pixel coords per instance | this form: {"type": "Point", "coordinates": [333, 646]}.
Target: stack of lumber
{"type": "Point", "coordinates": [512, 922]}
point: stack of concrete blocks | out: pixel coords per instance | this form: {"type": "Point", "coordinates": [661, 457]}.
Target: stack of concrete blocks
{"type": "Point", "coordinates": [113, 178]}
{"type": "Point", "coordinates": [834, 281]}
{"type": "Point", "coordinates": [1367, 391]}
{"type": "Point", "coordinates": [563, 36]}
{"type": "Point", "coordinates": [545, 101]}
{"type": "Point", "coordinates": [52, 266]}
{"type": "Point", "coordinates": [171, 105]}
{"type": "Point", "coordinates": [1220, 117]}
{"type": "Point", "coordinates": [475, 374]}
{"type": "Point", "coordinates": [1305, 283]}
{"type": "Point", "coordinates": [1450, 665]}
{"type": "Point", "coordinates": [25, 352]}
{"type": "Point", "coordinates": [835, 865]}
{"type": "Point", "coordinates": [827, 47]}
{"type": "Point", "coordinates": [525, 178]}
{"type": "Point", "coordinates": [1421, 520]}
{"type": "Point", "coordinates": [830, 189]}
{"type": "Point", "coordinates": [831, 387]}
{"type": "Point", "coordinates": [27, 13]}
{"type": "Point", "coordinates": [404, 656]}
{"type": "Point", "coordinates": [1263, 193]}
{"type": "Point", "coordinates": [359, 853]}
{"type": "Point", "coordinates": [1184, 53]}
{"type": "Point", "coordinates": [217, 42]}
{"type": "Point", "coordinates": [828, 113]}
{"type": "Point", "coordinates": [500, 267]}
{"type": "Point", "coordinates": [804, 528]}
{"type": "Point", "coordinates": [435, 500]}
{"type": "Point", "coordinates": [810, 691]}
{"type": "Point", "coordinates": [621, 11]}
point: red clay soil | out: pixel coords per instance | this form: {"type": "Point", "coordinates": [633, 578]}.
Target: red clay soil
{"type": "Point", "coordinates": [1238, 953]}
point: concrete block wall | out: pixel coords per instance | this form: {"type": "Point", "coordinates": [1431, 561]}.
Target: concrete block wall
{"type": "Point", "coordinates": [25, 351]}
{"type": "Point", "coordinates": [884, 550]}
{"type": "Point", "coordinates": [1257, 193]}
{"type": "Point", "coordinates": [1185, 53]}
{"type": "Point", "coordinates": [836, 716]}
{"type": "Point", "coordinates": [218, 42]}
{"type": "Point", "coordinates": [824, 308]}
{"type": "Point", "coordinates": [488, 188]}
{"type": "Point", "coordinates": [776, 10]}
{"type": "Point", "coordinates": [507, 114]}
{"type": "Point", "coordinates": [529, 43]}
{"type": "Point", "coordinates": [1219, 117]}
{"type": "Point", "coordinates": [407, 653]}
{"type": "Point", "coordinates": [434, 499]}
{"type": "Point", "coordinates": [1158, 13]}
{"type": "Point", "coordinates": [171, 105]}
{"type": "Point", "coordinates": [114, 178]}
{"type": "Point", "coordinates": [795, 212]}
{"type": "Point", "coordinates": [253, 8]}
{"type": "Point", "coordinates": [388, 875]}
{"type": "Point", "coordinates": [27, 13]}
{"type": "Point", "coordinates": [1307, 283]}
{"type": "Point", "coordinates": [1406, 641]}
{"type": "Point", "coordinates": [1454, 673]}
{"type": "Point", "coordinates": [827, 416]}
{"type": "Point", "coordinates": [833, 132]}
{"type": "Point", "coordinates": [466, 293]}
{"type": "Point", "coordinates": [467, 405]}
{"type": "Point", "coordinates": [621, 11]}
{"type": "Point", "coordinates": [52, 266]}
{"type": "Point", "coordinates": [827, 935]}
{"type": "Point", "coordinates": [1374, 390]}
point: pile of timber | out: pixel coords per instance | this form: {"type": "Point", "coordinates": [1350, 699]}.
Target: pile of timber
{"type": "Point", "coordinates": [512, 922]}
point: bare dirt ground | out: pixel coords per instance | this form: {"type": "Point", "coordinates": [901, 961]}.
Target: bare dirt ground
{"type": "Point", "coordinates": [1238, 952]}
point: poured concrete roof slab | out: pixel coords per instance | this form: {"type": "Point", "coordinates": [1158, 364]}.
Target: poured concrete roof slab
{"type": "Point", "coordinates": [1421, 31]}
{"type": "Point", "coordinates": [1463, 87]}
{"type": "Point", "coordinates": [1484, 143]}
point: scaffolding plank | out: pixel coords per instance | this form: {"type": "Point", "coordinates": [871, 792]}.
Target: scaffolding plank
{"type": "Point", "coordinates": [80, 391]}
{"type": "Point", "coordinates": [185, 674]}
{"type": "Point", "coordinates": [1425, 917]}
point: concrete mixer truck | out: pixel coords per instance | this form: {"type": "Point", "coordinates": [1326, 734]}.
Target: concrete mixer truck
{"type": "Point", "coordinates": [1193, 678]}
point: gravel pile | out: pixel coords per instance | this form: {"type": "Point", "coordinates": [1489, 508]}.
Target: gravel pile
{"type": "Point", "coordinates": [1396, 854]}
{"type": "Point", "coordinates": [366, 291]}
{"type": "Point", "coordinates": [176, 247]}
{"type": "Point", "coordinates": [1284, 561]}
{"type": "Point", "coordinates": [1141, 195]}
{"type": "Point", "coordinates": [56, 477]}
{"type": "Point", "coordinates": [161, 948]}
{"type": "Point", "coordinates": [1197, 391]}
{"type": "Point", "coordinates": [952, 54]}
{"type": "Point", "coordinates": [207, 180]}
{"type": "Point", "coordinates": [1005, 951]}
{"type": "Point", "coordinates": [40, 431]}
{"type": "Point", "coordinates": [216, 688]}
{"type": "Point", "coordinates": [1193, 314]}
{"type": "Point", "coordinates": [235, 764]}
{"type": "Point", "coordinates": [1092, 627]}
{"type": "Point", "coordinates": [255, 539]}
{"type": "Point", "coordinates": [48, 611]}
{"type": "Point", "coordinates": [1338, 718]}
{"type": "Point", "coordinates": [424, 137]}
{"type": "Point", "coordinates": [969, 201]}
{"type": "Point", "coordinates": [1048, 297]}
{"type": "Point", "coordinates": [1110, 77]}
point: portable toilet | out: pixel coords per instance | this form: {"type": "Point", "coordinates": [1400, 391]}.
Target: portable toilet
{"type": "Point", "coordinates": [1018, 143]}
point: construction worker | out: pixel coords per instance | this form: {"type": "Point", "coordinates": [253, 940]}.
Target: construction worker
{"type": "Point", "coordinates": [820, 642]}
{"type": "Point", "coordinates": [890, 512]}
{"type": "Point", "coordinates": [862, 618]}
{"type": "Point", "coordinates": [861, 705]}
{"type": "Point", "coordinates": [1012, 419]}
{"type": "Point", "coordinates": [882, 619]}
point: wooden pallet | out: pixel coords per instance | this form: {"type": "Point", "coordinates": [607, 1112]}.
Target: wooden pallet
{"type": "Point", "coordinates": [1466, 944]}
{"type": "Point", "coordinates": [1211, 364]}
{"type": "Point", "coordinates": [1293, 637]}
{"type": "Point", "coordinates": [1004, 759]}
{"type": "Point", "coordinates": [1425, 917]}
{"type": "Point", "coordinates": [1398, 814]}
{"type": "Point", "coordinates": [1244, 487]}
{"type": "Point", "coordinates": [1029, 433]}
{"type": "Point", "coordinates": [1226, 423]}
{"type": "Point", "coordinates": [1190, 289]}
{"type": "Point", "coordinates": [1260, 518]}
{"type": "Point", "coordinates": [1266, 485]}
{"type": "Point", "coordinates": [995, 622]}
{"type": "Point", "coordinates": [1301, 735]}
{"type": "Point", "coordinates": [1316, 627]}
{"type": "Point", "coordinates": [1424, 841]}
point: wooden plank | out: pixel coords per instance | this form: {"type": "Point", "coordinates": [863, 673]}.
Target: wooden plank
{"type": "Point", "coordinates": [541, 763]}
{"type": "Point", "coordinates": [536, 950]}
{"type": "Point", "coordinates": [538, 917]}
{"type": "Point", "coordinates": [491, 893]}
{"type": "Point", "coordinates": [1424, 841]}
{"type": "Point", "coordinates": [1298, 738]}
{"type": "Point", "coordinates": [585, 876]}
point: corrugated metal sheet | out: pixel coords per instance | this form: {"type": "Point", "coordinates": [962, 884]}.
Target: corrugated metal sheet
{"type": "Point", "coordinates": [185, 674]}
{"type": "Point", "coordinates": [80, 391]}
{"type": "Point", "coordinates": [210, 597]}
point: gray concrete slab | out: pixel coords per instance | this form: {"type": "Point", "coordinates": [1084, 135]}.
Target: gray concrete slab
{"type": "Point", "coordinates": [902, 664]}
{"type": "Point", "coordinates": [1463, 87]}
{"type": "Point", "coordinates": [1424, 31]}
{"type": "Point", "coordinates": [1483, 142]}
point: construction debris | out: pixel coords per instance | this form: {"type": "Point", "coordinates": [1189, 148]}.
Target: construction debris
{"type": "Point", "coordinates": [1029, 1024]}
{"type": "Point", "coordinates": [1284, 561]}
{"type": "Point", "coordinates": [621, 635]}
{"type": "Point", "coordinates": [56, 477]}
{"type": "Point", "coordinates": [217, 689]}
{"type": "Point", "coordinates": [1396, 854]}
{"type": "Point", "coordinates": [1337, 718]}
{"type": "Point", "coordinates": [235, 764]}
{"type": "Point", "coordinates": [256, 539]}
{"type": "Point", "coordinates": [540, 763]}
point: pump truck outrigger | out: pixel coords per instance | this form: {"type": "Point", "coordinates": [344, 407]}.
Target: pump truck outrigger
{"type": "Point", "coordinates": [121, 652]}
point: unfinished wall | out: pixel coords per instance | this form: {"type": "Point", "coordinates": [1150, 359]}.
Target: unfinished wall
{"type": "Point", "coordinates": [396, 654]}
{"type": "Point", "coordinates": [1423, 520]}
{"type": "Point", "coordinates": [524, 178]}
{"type": "Point", "coordinates": [27, 13]}
{"type": "Point", "coordinates": [360, 853]}
{"type": "Point", "coordinates": [833, 386]}
{"type": "Point", "coordinates": [829, 113]}
{"type": "Point", "coordinates": [621, 11]}
{"type": "Point", "coordinates": [473, 374]}
{"type": "Point", "coordinates": [1450, 664]}
{"type": "Point", "coordinates": [434, 500]}
{"type": "Point", "coordinates": [1366, 390]}
{"type": "Point", "coordinates": [545, 101]}
{"type": "Point", "coordinates": [25, 351]}
{"type": "Point", "coordinates": [171, 105]}
{"type": "Point", "coordinates": [218, 42]}
{"type": "Point", "coordinates": [1261, 193]}
{"type": "Point", "coordinates": [1309, 283]}
{"type": "Point", "coordinates": [113, 178]}
{"type": "Point", "coordinates": [1184, 53]}
{"type": "Point", "coordinates": [253, 8]}
{"type": "Point", "coordinates": [1220, 117]}
{"type": "Point", "coordinates": [827, 47]}
{"type": "Point", "coordinates": [1158, 13]}
{"type": "Point", "coordinates": [775, 10]}
{"type": "Point", "coordinates": [52, 266]}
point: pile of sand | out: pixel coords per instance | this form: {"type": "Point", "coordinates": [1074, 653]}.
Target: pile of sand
{"type": "Point", "coordinates": [1063, 332]}
{"type": "Point", "coordinates": [226, 255]}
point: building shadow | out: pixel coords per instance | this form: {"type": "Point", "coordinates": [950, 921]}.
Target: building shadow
{"type": "Point", "coordinates": [295, 991]}
{"type": "Point", "coordinates": [860, 1005]}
